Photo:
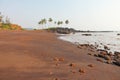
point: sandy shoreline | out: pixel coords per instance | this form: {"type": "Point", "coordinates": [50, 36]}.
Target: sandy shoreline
{"type": "Point", "coordinates": [40, 55]}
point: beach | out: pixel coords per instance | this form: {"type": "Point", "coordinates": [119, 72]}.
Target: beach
{"type": "Point", "coordinates": [40, 55]}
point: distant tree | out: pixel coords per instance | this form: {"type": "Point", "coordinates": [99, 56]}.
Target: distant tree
{"type": "Point", "coordinates": [42, 21]}
{"type": "Point", "coordinates": [66, 22]}
{"type": "Point", "coordinates": [61, 22]}
{"type": "Point", "coordinates": [50, 20]}
{"type": "Point", "coordinates": [1, 17]}
{"type": "Point", "coordinates": [7, 20]}
{"type": "Point", "coordinates": [55, 22]}
{"type": "Point", "coordinates": [58, 23]}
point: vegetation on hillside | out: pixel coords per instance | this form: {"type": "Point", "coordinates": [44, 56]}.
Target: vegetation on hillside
{"type": "Point", "coordinates": [7, 25]}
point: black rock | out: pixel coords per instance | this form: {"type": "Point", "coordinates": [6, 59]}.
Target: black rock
{"type": "Point", "coordinates": [117, 62]}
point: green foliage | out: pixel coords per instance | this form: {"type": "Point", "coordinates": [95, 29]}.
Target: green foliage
{"type": "Point", "coordinates": [50, 20]}
{"type": "Point", "coordinates": [66, 22]}
{"type": "Point", "coordinates": [5, 26]}
{"type": "Point", "coordinates": [1, 17]}
{"type": "Point", "coordinates": [35, 29]}
{"type": "Point", "coordinates": [43, 21]}
{"type": "Point", "coordinates": [55, 22]}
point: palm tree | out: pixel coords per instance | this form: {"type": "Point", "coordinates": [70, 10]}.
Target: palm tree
{"type": "Point", "coordinates": [58, 23]}
{"type": "Point", "coordinates": [61, 22]}
{"type": "Point", "coordinates": [55, 22]}
{"type": "Point", "coordinates": [1, 17]}
{"type": "Point", "coordinates": [66, 22]}
{"type": "Point", "coordinates": [50, 20]}
{"type": "Point", "coordinates": [42, 21]}
{"type": "Point", "coordinates": [7, 20]}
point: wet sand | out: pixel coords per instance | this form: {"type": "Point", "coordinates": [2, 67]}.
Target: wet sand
{"type": "Point", "coordinates": [39, 55]}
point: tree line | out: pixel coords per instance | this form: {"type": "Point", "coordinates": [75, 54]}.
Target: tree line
{"type": "Point", "coordinates": [50, 20]}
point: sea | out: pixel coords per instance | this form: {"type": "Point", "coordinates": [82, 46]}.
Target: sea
{"type": "Point", "coordinates": [101, 39]}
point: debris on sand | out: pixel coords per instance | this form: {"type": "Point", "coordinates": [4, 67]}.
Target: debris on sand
{"type": "Point", "coordinates": [58, 59]}
{"type": "Point", "coordinates": [81, 70]}
{"type": "Point", "coordinates": [73, 71]}
{"type": "Point", "coordinates": [55, 59]}
{"type": "Point", "coordinates": [55, 79]}
{"type": "Point", "coordinates": [61, 59]}
{"type": "Point", "coordinates": [72, 65]}
{"type": "Point", "coordinates": [90, 54]}
{"type": "Point", "coordinates": [50, 73]}
{"type": "Point", "coordinates": [100, 60]}
{"type": "Point", "coordinates": [57, 64]}
{"type": "Point", "coordinates": [91, 65]}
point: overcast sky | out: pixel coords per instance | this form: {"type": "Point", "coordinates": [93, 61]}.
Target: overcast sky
{"type": "Point", "coordinates": [82, 14]}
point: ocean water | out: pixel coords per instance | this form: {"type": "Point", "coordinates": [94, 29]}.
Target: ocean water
{"type": "Point", "coordinates": [109, 39]}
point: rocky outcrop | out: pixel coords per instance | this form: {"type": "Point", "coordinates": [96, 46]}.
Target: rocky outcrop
{"type": "Point", "coordinates": [117, 62]}
{"type": "Point", "coordinates": [61, 30]}
{"type": "Point", "coordinates": [15, 27]}
{"type": "Point", "coordinates": [87, 34]}
{"type": "Point", "coordinates": [103, 55]}
{"type": "Point", "coordinates": [109, 57]}
{"type": "Point", "coordinates": [118, 34]}
{"type": "Point", "coordinates": [117, 58]}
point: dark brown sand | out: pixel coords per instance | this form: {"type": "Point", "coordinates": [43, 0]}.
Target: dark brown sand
{"type": "Point", "coordinates": [39, 55]}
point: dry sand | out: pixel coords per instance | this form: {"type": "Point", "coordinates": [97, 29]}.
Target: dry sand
{"type": "Point", "coordinates": [39, 55]}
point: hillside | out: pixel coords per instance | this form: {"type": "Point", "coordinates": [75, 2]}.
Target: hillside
{"type": "Point", "coordinates": [4, 26]}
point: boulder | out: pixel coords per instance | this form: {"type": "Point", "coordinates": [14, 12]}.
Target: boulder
{"type": "Point", "coordinates": [117, 55]}
{"type": "Point", "coordinates": [110, 54]}
{"type": "Point", "coordinates": [101, 55]}
{"type": "Point", "coordinates": [118, 34]}
{"type": "Point", "coordinates": [106, 47]}
{"type": "Point", "coordinates": [91, 65]}
{"type": "Point", "coordinates": [109, 61]}
{"type": "Point", "coordinates": [106, 57]}
{"type": "Point", "coordinates": [104, 52]}
{"type": "Point", "coordinates": [117, 62]}
{"type": "Point", "coordinates": [117, 58]}
{"type": "Point", "coordinates": [96, 55]}
{"type": "Point", "coordinates": [100, 60]}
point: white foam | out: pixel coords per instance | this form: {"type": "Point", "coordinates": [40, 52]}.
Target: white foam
{"type": "Point", "coordinates": [110, 39]}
